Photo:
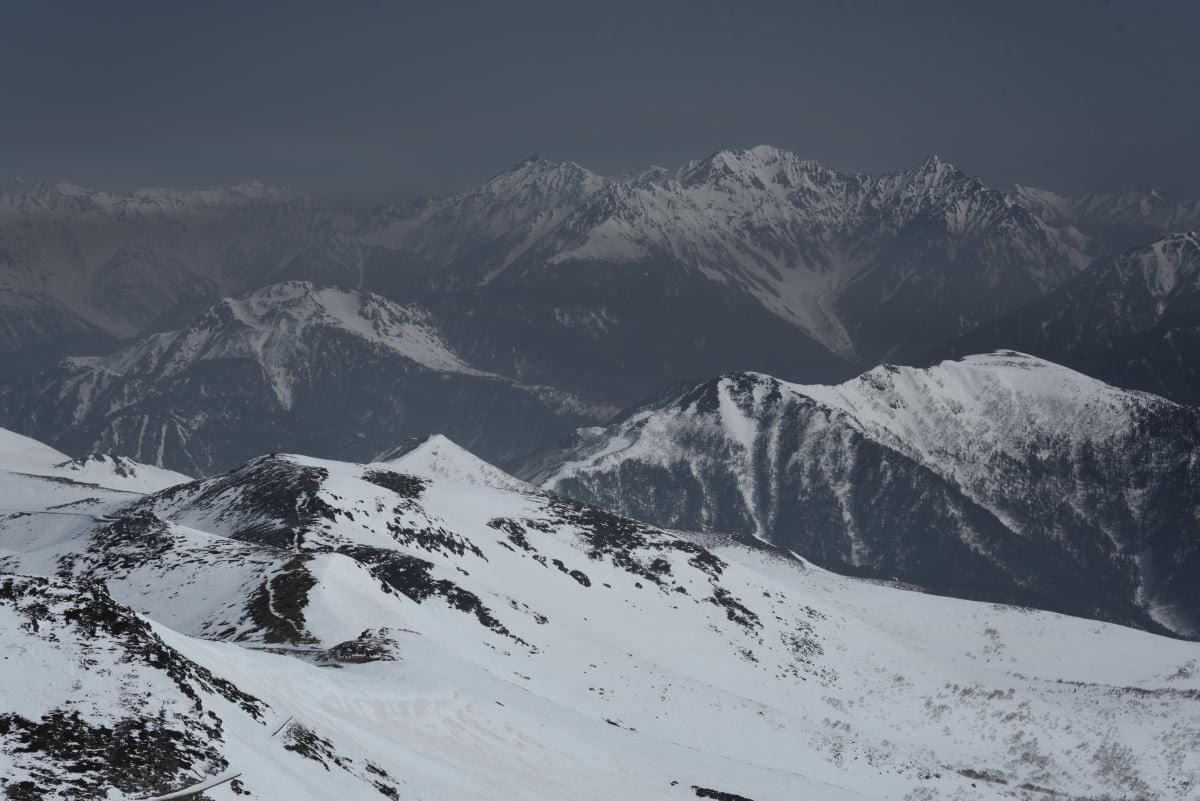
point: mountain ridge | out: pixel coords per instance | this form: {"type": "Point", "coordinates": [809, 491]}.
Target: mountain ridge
{"type": "Point", "coordinates": [1007, 477]}
{"type": "Point", "coordinates": [789, 233]}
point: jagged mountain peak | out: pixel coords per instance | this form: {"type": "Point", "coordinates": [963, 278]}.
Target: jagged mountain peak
{"type": "Point", "coordinates": [937, 182]}
{"type": "Point", "coordinates": [933, 163]}
{"type": "Point", "coordinates": [275, 327]}
{"type": "Point", "coordinates": [756, 167]}
{"type": "Point", "coordinates": [363, 314]}
{"type": "Point", "coordinates": [535, 170]}
{"type": "Point", "coordinates": [1115, 220]}
{"type": "Point", "coordinates": [340, 371]}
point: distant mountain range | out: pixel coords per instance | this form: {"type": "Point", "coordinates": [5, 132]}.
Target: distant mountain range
{"type": "Point", "coordinates": [593, 292]}
{"type": "Point", "coordinates": [247, 320]}
{"type": "Point", "coordinates": [630, 274]}
{"type": "Point", "coordinates": [1116, 221]}
{"type": "Point", "coordinates": [1001, 477]}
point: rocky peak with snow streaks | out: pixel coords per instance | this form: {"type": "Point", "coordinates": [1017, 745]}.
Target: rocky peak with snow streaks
{"type": "Point", "coordinates": [1001, 475]}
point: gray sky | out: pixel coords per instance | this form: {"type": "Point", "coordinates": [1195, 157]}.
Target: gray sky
{"type": "Point", "coordinates": [394, 99]}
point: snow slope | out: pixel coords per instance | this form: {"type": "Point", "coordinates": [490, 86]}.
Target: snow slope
{"type": "Point", "coordinates": [29, 457]}
{"type": "Point", "coordinates": [443, 639]}
{"type": "Point", "coordinates": [437, 456]}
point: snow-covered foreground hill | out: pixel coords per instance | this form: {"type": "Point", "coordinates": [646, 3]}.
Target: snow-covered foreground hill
{"type": "Point", "coordinates": [424, 629]}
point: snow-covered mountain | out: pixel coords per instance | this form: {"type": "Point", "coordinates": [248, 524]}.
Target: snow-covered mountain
{"type": "Point", "coordinates": [1118, 220]}
{"type": "Point", "coordinates": [558, 294]}
{"type": "Point", "coordinates": [758, 243]}
{"type": "Point", "coordinates": [1132, 319]}
{"type": "Point", "coordinates": [485, 228]}
{"type": "Point", "coordinates": [341, 372]}
{"type": "Point", "coordinates": [323, 629]}
{"type": "Point", "coordinates": [1000, 476]}
{"type": "Point", "coordinates": [842, 257]}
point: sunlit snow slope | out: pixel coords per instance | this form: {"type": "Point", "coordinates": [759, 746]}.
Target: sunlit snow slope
{"type": "Point", "coordinates": [350, 631]}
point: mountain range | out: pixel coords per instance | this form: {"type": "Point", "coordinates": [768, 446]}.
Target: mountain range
{"type": "Point", "coordinates": [548, 266]}
{"type": "Point", "coordinates": [897, 477]}
{"type": "Point", "coordinates": [206, 326]}
{"type": "Point", "coordinates": [429, 627]}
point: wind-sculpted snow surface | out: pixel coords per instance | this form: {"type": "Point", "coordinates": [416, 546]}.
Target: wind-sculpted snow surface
{"type": "Point", "coordinates": [386, 634]}
{"type": "Point", "coordinates": [1000, 477]}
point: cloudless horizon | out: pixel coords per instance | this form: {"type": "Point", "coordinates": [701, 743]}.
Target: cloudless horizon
{"type": "Point", "coordinates": [375, 101]}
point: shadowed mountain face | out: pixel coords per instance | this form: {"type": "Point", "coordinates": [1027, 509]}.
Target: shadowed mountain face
{"type": "Point", "coordinates": [1000, 477]}
{"type": "Point", "coordinates": [1132, 319]}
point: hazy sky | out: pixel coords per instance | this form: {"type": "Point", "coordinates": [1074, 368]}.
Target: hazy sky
{"type": "Point", "coordinates": [390, 99]}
